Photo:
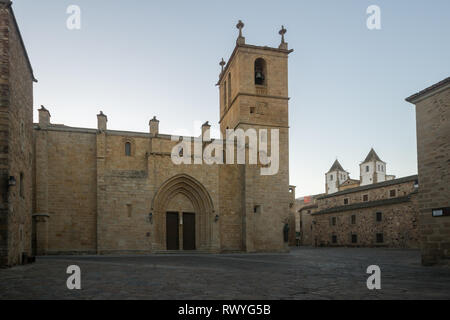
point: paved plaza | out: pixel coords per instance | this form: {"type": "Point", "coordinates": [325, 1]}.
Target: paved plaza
{"type": "Point", "coordinates": [305, 273]}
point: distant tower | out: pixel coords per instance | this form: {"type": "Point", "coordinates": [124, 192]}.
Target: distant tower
{"type": "Point", "coordinates": [335, 177]}
{"type": "Point", "coordinates": [373, 169]}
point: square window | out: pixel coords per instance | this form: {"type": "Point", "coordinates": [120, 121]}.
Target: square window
{"type": "Point", "coordinates": [346, 201]}
{"type": "Point", "coordinates": [365, 197]}
{"type": "Point", "coordinates": [392, 193]}
{"type": "Point", "coordinates": [257, 209]}
{"type": "Point", "coordinates": [379, 216]}
{"type": "Point", "coordinates": [380, 238]}
{"type": "Point", "coordinates": [333, 221]}
{"type": "Point", "coordinates": [334, 239]}
{"type": "Point", "coordinates": [354, 238]}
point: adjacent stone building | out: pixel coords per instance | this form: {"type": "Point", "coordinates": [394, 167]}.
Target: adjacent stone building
{"type": "Point", "coordinates": [433, 147]}
{"type": "Point", "coordinates": [364, 213]}
{"type": "Point", "coordinates": [16, 152]}
{"type": "Point", "coordinates": [104, 191]}
{"type": "Point", "coordinates": [381, 214]}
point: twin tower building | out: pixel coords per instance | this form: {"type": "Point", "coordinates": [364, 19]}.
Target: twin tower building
{"type": "Point", "coordinates": [100, 191]}
{"type": "Point", "coordinates": [372, 171]}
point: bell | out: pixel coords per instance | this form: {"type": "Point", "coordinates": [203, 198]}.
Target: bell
{"type": "Point", "coordinates": [259, 77]}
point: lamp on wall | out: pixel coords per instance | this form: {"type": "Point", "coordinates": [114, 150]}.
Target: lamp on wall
{"type": "Point", "coordinates": [150, 218]}
{"type": "Point", "coordinates": [11, 181]}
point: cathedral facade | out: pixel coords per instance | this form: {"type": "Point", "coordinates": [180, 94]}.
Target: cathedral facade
{"type": "Point", "coordinates": [68, 190]}
{"type": "Point", "coordinates": [101, 191]}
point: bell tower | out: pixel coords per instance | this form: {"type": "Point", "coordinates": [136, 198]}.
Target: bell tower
{"type": "Point", "coordinates": [254, 85]}
{"type": "Point", "coordinates": [254, 95]}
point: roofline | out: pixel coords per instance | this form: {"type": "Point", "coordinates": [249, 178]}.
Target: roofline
{"type": "Point", "coordinates": [372, 186]}
{"type": "Point", "coordinates": [435, 88]}
{"type": "Point", "coordinates": [9, 6]}
{"type": "Point", "coordinates": [364, 205]}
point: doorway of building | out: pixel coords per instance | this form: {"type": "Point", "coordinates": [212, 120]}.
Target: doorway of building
{"type": "Point", "coordinates": [189, 231]}
{"type": "Point", "coordinates": [173, 241]}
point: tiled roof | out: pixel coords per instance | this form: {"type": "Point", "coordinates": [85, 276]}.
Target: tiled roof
{"type": "Point", "coordinates": [336, 167]}
{"type": "Point", "coordinates": [372, 156]}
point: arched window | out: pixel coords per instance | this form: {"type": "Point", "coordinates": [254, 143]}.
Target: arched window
{"type": "Point", "coordinates": [260, 72]}
{"type": "Point", "coordinates": [128, 149]}
{"type": "Point", "coordinates": [21, 186]}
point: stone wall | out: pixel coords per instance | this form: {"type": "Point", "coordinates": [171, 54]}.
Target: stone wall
{"type": "Point", "coordinates": [16, 123]}
{"type": "Point", "coordinates": [356, 223]}
{"type": "Point", "coordinates": [433, 147]}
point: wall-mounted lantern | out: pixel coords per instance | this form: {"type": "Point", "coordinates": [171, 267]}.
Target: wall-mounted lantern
{"type": "Point", "coordinates": [150, 218]}
{"type": "Point", "coordinates": [12, 181]}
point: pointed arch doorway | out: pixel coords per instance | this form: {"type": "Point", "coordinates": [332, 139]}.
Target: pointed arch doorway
{"type": "Point", "coordinates": [183, 213]}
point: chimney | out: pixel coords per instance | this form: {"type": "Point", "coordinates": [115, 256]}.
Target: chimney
{"type": "Point", "coordinates": [154, 127]}
{"type": "Point", "coordinates": [44, 117]}
{"type": "Point", "coordinates": [102, 121]}
{"type": "Point", "coordinates": [206, 132]}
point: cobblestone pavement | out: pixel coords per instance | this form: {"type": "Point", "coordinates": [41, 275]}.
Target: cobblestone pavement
{"type": "Point", "coordinates": [305, 273]}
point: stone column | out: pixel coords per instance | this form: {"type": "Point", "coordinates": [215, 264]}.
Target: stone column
{"type": "Point", "coordinates": [41, 216]}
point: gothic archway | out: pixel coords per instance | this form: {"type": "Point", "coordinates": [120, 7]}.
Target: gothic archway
{"type": "Point", "coordinates": [200, 200]}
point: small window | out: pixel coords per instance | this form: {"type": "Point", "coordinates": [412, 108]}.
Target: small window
{"type": "Point", "coordinates": [252, 110]}
{"type": "Point", "coordinates": [379, 216]}
{"type": "Point", "coordinates": [354, 238]}
{"type": "Point", "coordinates": [129, 210]}
{"type": "Point", "coordinates": [21, 186]}
{"type": "Point", "coordinates": [380, 238]}
{"type": "Point", "coordinates": [334, 239]}
{"type": "Point", "coordinates": [353, 219]}
{"type": "Point", "coordinates": [367, 169]}
{"type": "Point", "coordinates": [365, 197]}
{"type": "Point", "coordinates": [257, 209]}
{"type": "Point", "coordinates": [392, 193]}
{"type": "Point", "coordinates": [333, 221]}
{"type": "Point", "coordinates": [331, 178]}
{"type": "Point", "coordinates": [346, 201]}
{"type": "Point", "coordinates": [128, 149]}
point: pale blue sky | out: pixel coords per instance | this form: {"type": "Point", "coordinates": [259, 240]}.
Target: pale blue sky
{"type": "Point", "coordinates": [136, 59]}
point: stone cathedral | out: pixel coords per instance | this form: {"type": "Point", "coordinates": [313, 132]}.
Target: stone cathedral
{"type": "Point", "coordinates": [70, 190]}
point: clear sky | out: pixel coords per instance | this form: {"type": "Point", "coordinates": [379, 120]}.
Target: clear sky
{"type": "Point", "coordinates": [135, 59]}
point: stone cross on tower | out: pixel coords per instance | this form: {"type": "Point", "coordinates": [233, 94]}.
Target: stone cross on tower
{"type": "Point", "coordinates": [283, 44]}
{"type": "Point", "coordinates": [240, 39]}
